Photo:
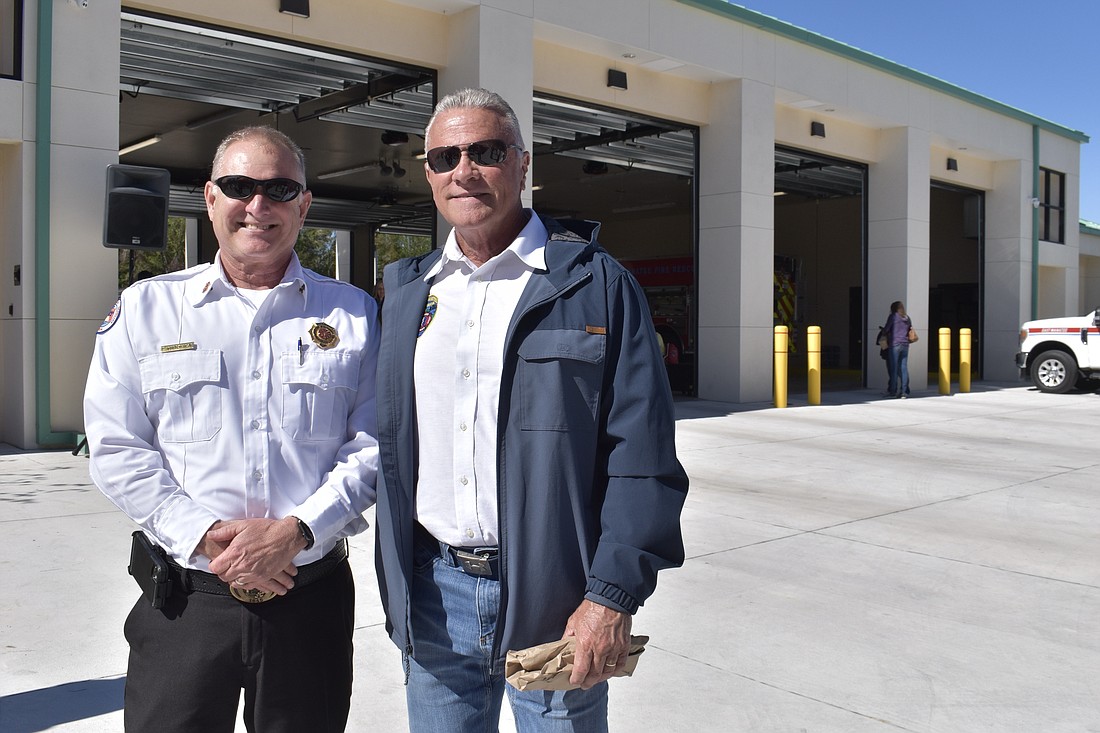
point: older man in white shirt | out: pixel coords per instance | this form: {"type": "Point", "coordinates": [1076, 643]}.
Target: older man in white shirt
{"type": "Point", "coordinates": [230, 412]}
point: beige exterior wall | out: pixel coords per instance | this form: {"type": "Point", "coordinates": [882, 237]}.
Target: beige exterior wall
{"type": "Point", "coordinates": [84, 139]}
{"type": "Point", "coordinates": [747, 89]}
{"type": "Point", "coordinates": [1090, 270]}
{"type": "Point", "coordinates": [16, 330]}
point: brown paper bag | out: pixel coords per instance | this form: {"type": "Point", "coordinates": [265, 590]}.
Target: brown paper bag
{"type": "Point", "coordinates": [548, 666]}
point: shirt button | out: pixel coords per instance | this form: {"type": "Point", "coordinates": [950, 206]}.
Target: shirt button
{"type": "Point", "coordinates": [463, 480]}
{"type": "Point", "coordinates": [256, 374]}
{"type": "Point", "coordinates": [470, 533]}
{"type": "Point", "coordinates": [470, 323]}
{"type": "Point", "coordinates": [462, 427]}
{"type": "Point", "coordinates": [466, 373]}
{"type": "Point", "coordinates": [258, 329]}
{"type": "Point", "coordinates": [258, 475]}
{"type": "Point", "coordinates": [255, 424]}
{"type": "Point", "coordinates": [175, 376]}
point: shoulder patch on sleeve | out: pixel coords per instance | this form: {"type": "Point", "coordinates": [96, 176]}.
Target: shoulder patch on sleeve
{"type": "Point", "coordinates": [112, 317]}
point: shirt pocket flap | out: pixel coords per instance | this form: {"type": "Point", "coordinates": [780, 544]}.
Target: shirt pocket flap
{"type": "Point", "coordinates": [178, 370]}
{"type": "Point", "coordinates": [563, 344]}
{"type": "Point", "coordinates": [322, 369]}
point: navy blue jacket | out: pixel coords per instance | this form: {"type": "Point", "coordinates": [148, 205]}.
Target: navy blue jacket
{"type": "Point", "coordinates": [589, 487]}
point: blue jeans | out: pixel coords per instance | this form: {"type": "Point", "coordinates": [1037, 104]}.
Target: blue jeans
{"type": "Point", "coordinates": [898, 359]}
{"type": "Point", "coordinates": [454, 685]}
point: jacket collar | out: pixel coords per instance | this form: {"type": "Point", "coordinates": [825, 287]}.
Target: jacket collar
{"type": "Point", "coordinates": [568, 244]}
{"type": "Point", "coordinates": [528, 247]}
{"type": "Point", "coordinates": [581, 235]}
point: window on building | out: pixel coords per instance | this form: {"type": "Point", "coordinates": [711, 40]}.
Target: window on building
{"type": "Point", "coordinates": [392, 247]}
{"type": "Point", "coordinates": [11, 39]}
{"type": "Point", "coordinates": [1052, 206]}
{"type": "Point", "coordinates": [316, 250]}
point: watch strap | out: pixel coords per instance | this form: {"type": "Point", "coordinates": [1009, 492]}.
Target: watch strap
{"type": "Point", "coordinates": [307, 533]}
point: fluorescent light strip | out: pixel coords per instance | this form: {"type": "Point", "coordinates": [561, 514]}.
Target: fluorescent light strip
{"type": "Point", "coordinates": [348, 171]}
{"type": "Point", "coordinates": [139, 145]}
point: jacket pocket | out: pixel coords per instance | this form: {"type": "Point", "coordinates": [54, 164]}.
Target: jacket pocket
{"type": "Point", "coordinates": [560, 375]}
{"type": "Point", "coordinates": [183, 394]}
{"type": "Point", "coordinates": [318, 391]}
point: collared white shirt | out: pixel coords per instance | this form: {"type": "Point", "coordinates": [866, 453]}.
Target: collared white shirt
{"type": "Point", "coordinates": [204, 405]}
{"type": "Point", "coordinates": [457, 368]}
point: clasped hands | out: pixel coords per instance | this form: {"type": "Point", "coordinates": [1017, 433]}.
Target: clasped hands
{"type": "Point", "coordinates": [254, 553]}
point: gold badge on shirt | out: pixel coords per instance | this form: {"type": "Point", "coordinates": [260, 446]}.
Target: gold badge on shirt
{"type": "Point", "coordinates": [324, 335]}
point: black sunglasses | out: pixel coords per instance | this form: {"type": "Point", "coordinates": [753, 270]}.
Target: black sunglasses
{"type": "Point", "coordinates": [276, 189]}
{"type": "Point", "coordinates": [482, 152]}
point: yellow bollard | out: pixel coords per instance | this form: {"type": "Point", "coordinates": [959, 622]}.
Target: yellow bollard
{"type": "Point", "coordinates": [813, 363]}
{"type": "Point", "coordinates": [964, 359]}
{"type": "Point", "coordinates": [781, 348]}
{"type": "Point", "coordinates": [945, 361]}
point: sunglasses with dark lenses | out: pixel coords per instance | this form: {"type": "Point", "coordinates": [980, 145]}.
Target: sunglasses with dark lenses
{"type": "Point", "coordinates": [275, 189]}
{"type": "Point", "coordinates": [483, 152]}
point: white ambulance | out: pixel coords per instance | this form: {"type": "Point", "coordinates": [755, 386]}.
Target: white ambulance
{"type": "Point", "coordinates": [1058, 354]}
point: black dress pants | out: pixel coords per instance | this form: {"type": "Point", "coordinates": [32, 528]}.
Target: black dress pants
{"type": "Point", "coordinates": [292, 656]}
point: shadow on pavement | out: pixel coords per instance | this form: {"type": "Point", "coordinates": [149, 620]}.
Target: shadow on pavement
{"type": "Point", "coordinates": [39, 710]}
{"type": "Point", "coordinates": [692, 407]}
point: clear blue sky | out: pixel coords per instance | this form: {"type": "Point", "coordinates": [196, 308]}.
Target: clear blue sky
{"type": "Point", "coordinates": [1040, 57]}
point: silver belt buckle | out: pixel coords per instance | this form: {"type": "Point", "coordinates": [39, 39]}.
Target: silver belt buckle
{"type": "Point", "coordinates": [473, 563]}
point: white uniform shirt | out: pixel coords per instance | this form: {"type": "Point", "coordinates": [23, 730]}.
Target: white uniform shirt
{"type": "Point", "coordinates": [204, 405]}
{"type": "Point", "coordinates": [459, 358]}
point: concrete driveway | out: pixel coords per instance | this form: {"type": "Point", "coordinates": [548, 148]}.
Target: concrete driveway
{"type": "Point", "coordinates": [866, 565]}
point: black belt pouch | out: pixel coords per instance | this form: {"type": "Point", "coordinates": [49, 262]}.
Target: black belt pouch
{"type": "Point", "coordinates": [149, 566]}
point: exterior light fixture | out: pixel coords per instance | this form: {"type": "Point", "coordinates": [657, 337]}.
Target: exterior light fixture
{"type": "Point", "coordinates": [817, 129]}
{"type": "Point", "coordinates": [139, 145]}
{"type": "Point", "coordinates": [952, 164]}
{"type": "Point", "coordinates": [616, 79]}
{"type": "Point", "coordinates": [295, 7]}
{"type": "Point", "coordinates": [349, 171]}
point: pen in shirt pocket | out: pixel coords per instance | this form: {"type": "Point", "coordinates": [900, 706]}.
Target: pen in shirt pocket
{"type": "Point", "coordinates": [301, 353]}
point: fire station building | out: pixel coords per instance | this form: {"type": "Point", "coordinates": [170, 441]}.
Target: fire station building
{"type": "Point", "coordinates": [749, 172]}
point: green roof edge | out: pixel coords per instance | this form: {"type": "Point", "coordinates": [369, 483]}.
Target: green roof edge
{"type": "Point", "coordinates": [795, 33]}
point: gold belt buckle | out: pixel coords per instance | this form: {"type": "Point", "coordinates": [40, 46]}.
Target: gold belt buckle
{"type": "Point", "coordinates": [251, 595]}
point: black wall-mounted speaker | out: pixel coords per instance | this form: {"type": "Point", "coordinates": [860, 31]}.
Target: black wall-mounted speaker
{"type": "Point", "coordinates": [135, 212]}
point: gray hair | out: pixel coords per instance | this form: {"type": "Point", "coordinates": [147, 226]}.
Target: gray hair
{"type": "Point", "coordinates": [269, 135]}
{"type": "Point", "coordinates": [481, 99]}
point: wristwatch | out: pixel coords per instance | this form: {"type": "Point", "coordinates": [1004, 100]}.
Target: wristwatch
{"type": "Point", "coordinates": [307, 533]}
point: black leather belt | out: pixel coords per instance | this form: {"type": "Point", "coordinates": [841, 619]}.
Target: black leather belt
{"type": "Point", "coordinates": [482, 562]}
{"type": "Point", "coordinates": [192, 581]}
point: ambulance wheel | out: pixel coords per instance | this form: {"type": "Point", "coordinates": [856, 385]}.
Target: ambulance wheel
{"type": "Point", "coordinates": [1054, 371]}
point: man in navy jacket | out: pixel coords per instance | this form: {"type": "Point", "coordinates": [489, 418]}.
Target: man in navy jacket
{"type": "Point", "coordinates": [530, 489]}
